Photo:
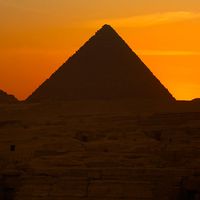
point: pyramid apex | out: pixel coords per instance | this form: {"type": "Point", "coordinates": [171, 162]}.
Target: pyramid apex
{"type": "Point", "coordinates": [106, 27]}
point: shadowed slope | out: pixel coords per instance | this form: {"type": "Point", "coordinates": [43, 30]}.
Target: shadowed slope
{"type": "Point", "coordinates": [6, 98]}
{"type": "Point", "coordinates": [104, 68]}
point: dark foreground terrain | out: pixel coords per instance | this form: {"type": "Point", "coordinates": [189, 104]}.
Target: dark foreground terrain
{"type": "Point", "coordinates": [79, 151]}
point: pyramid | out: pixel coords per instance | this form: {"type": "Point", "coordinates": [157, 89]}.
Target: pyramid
{"type": "Point", "coordinates": [6, 98]}
{"type": "Point", "coordinates": [104, 68]}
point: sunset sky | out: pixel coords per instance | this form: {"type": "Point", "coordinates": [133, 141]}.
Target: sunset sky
{"type": "Point", "coordinates": [37, 36]}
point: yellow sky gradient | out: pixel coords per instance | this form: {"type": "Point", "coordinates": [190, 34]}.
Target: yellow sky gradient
{"type": "Point", "coordinates": [36, 37]}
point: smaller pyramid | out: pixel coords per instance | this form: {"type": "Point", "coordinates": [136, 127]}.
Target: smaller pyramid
{"type": "Point", "coordinates": [6, 98]}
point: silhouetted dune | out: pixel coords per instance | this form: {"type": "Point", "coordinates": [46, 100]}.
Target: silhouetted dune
{"type": "Point", "coordinates": [186, 106]}
{"type": "Point", "coordinates": [197, 100]}
{"type": "Point", "coordinates": [6, 98]}
{"type": "Point", "coordinates": [104, 68]}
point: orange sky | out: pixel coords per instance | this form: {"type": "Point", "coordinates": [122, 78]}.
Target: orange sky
{"type": "Point", "coordinates": [37, 36]}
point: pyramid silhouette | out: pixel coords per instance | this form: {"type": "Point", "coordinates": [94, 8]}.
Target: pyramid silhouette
{"type": "Point", "coordinates": [104, 68]}
{"type": "Point", "coordinates": [6, 98]}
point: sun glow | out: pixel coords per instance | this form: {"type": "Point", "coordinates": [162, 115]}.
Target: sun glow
{"type": "Point", "coordinates": [37, 37]}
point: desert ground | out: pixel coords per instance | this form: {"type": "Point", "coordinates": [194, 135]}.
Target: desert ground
{"type": "Point", "coordinates": [86, 150]}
